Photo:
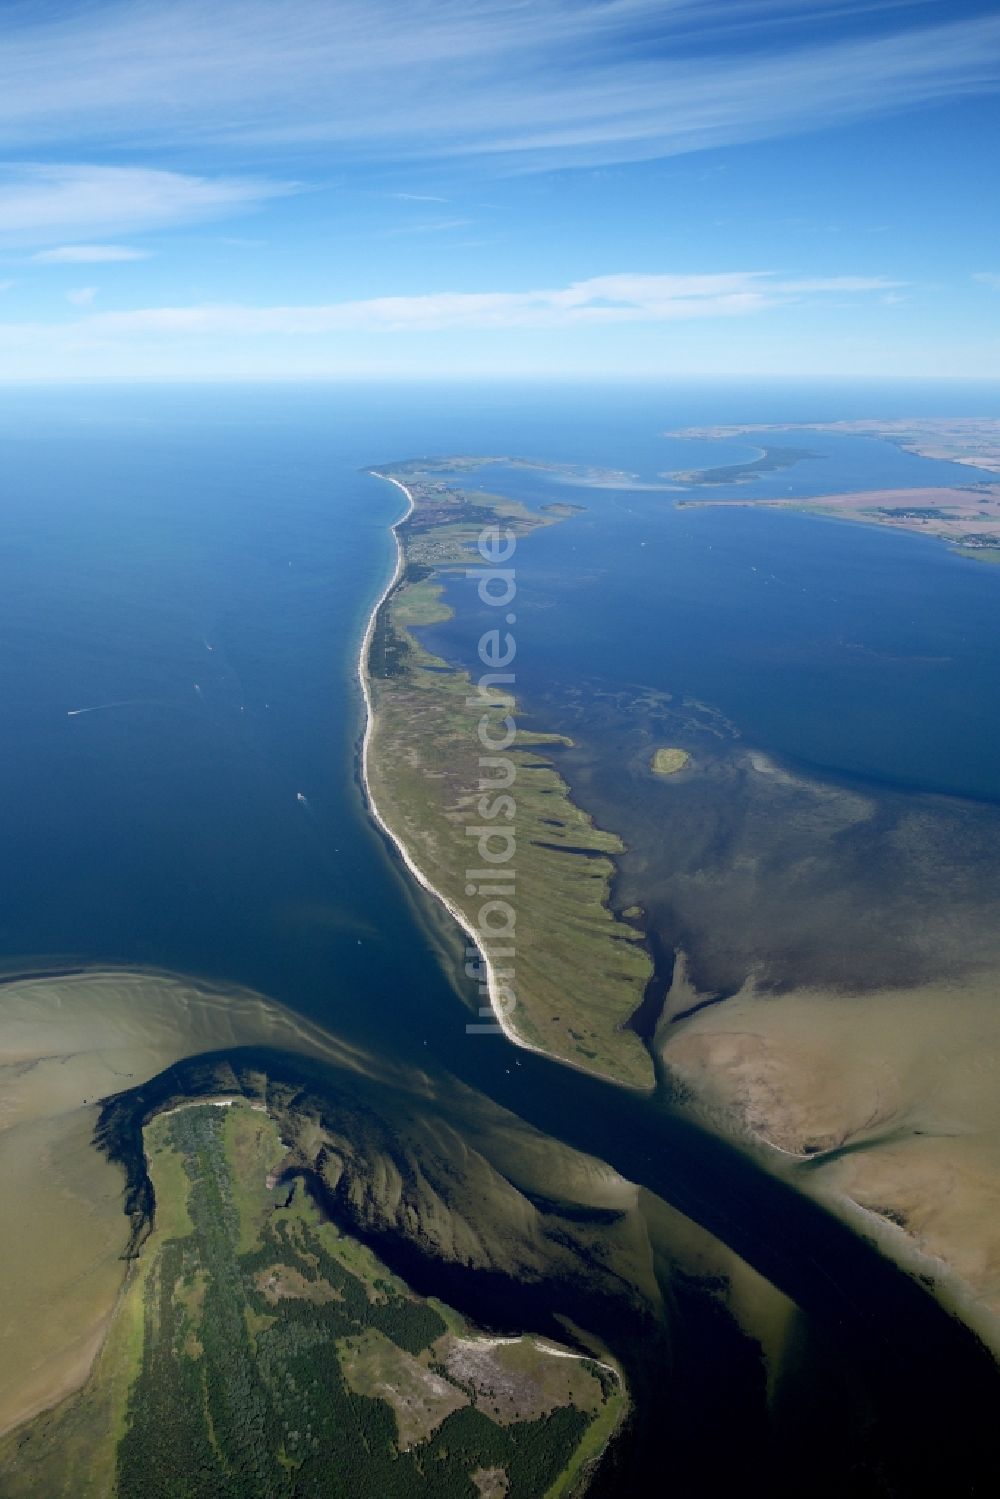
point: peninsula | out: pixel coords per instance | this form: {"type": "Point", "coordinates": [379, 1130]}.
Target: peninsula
{"type": "Point", "coordinates": [966, 515]}
{"type": "Point", "coordinates": [455, 785]}
{"type": "Point", "coordinates": [770, 460]}
{"type": "Point", "coordinates": [258, 1347]}
{"type": "Point", "coordinates": [969, 440]}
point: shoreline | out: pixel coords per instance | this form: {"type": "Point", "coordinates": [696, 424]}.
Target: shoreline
{"type": "Point", "coordinates": [506, 1026]}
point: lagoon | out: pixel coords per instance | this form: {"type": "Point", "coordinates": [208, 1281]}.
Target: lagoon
{"type": "Point", "coordinates": [204, 562]}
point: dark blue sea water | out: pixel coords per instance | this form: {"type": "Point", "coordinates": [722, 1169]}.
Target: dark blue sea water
{"type": "Point", "coordinates": [185, 576]}
{"type": "Point", "coordinates": [205, 559]}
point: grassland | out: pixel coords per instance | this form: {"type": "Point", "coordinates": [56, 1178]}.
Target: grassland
{"type": "Point", "coordinates": [579, 969]}
{"type": "Point", "coordinates": [258, 1350]}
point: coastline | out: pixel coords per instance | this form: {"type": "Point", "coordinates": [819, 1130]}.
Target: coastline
{"type": "Point", "coordinates": [950, 514]}
{"type": "Point", "coordinates": [503, 1021]}
{"type": "Point", "coordinates": [957, 1295]}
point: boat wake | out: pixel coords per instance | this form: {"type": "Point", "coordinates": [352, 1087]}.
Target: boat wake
{"type": "Point", "coordinates": [129, 702]}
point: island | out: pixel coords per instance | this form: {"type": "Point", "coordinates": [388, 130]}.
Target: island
{"type": "Point", "coordinates": [476, 805]}
{"type": "Point", "coordinates": [669, 761]}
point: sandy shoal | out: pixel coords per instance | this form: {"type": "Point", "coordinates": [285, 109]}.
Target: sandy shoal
{"type": "Point", "coordinates": [884, 1104]}
{"type": "Point", "coordinates": [65, 1043]}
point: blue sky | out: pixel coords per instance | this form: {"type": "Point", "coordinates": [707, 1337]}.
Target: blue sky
{"type": "Point", "coordinates": [329, 188]}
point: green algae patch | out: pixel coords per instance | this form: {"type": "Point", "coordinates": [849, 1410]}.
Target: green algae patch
{"type": "Point", "coordinates": [668, 761]}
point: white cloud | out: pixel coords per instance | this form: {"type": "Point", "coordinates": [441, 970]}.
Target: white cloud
{"type": "Point", "coordinates": [419, 197]}
{"type": "Point", "coordinates": [988, 278]}
{"type": "Point", "coordinates": [88, 254]}
{"type": "Point", "coordinates": [73, 201]}
{"type": "Point", "coordinates": [540, 83]}
{"type": "Point", "coordinates": [426, 226]}
{"type": "Point", "coordinates": [82, 296]}
{"type": "Point", "coordinates": [601, 300]}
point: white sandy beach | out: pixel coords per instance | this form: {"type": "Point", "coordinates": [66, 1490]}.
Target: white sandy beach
{"type": "Point", "coordinates": [493, 988]}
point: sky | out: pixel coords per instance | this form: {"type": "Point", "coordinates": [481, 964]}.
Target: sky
{"type": "Point", "coordinates": [309, 189]}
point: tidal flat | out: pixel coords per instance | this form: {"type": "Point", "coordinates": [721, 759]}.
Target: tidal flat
{"type": "Point", "coordinates": [765, 888]}
{"type": "Point", "coordinates": [830, 970]}
{"type": "Point", "coordinates": [882, 1104]}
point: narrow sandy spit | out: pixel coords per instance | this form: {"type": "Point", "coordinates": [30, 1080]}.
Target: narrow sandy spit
{"type": "Point", "coordinates": [502, 1019]}
{"type": "Point", "coordinates": [542, 1346]}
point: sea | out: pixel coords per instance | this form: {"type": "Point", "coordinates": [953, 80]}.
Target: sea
{"type": "Point", "coordinates": [185, 577]}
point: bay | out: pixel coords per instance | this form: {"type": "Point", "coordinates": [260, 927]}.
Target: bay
{"type": "Point", "coordinates": [184, 581]}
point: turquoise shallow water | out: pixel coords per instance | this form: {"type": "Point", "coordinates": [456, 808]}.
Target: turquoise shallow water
{"type": "Point", "coordinates": [204, 561]}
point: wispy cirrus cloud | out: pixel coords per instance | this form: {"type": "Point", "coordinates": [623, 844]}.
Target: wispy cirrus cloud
{"type": "Point", "coordinates": [425, 226]}
{"type": "Point", "coordinates": [88, 254]}
{"type": "Point", "coordinates": [419, 197]}
{"type": "Point", "coordinates": [988, 278]}
{"type": "Point", "coordinates": [600, 300]}
{"type": "Point", "coordinates": [551, 82]}
{"type": "Point", "coordinates": [74, 201]}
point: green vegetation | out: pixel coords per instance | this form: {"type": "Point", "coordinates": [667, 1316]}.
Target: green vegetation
{"type": "Point", "coordinates": [982, 547]}
{"type": "Point", "coordinates": [772, 460]}
{"type": "Point", "coordinates": [258, 1351]}
{"type": "Point", "coordinates": [580, 971]}
{"type": "Point", "coordinates": [667, 761]}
